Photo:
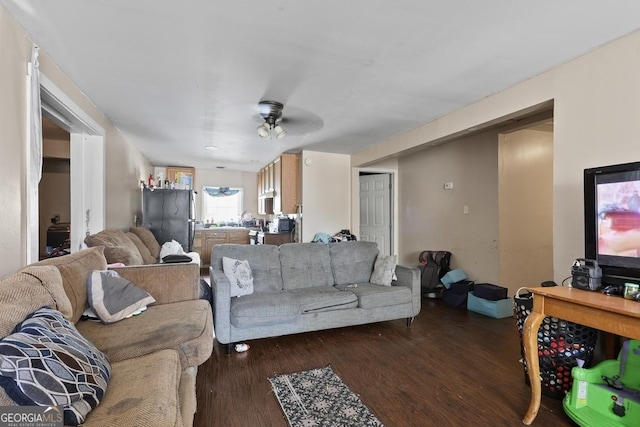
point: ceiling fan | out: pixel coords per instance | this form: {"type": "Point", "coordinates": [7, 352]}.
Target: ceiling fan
{"type": "Point", "coordinates": [297, 121]}
{"type": "Point", "coordinates": [271, 112]}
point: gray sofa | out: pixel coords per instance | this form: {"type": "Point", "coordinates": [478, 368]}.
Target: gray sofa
{"type": "Point", "coordinates": [301, 287]}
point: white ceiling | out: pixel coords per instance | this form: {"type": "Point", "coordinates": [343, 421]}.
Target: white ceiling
{"type": "Point", "coordinates": [176, 76]}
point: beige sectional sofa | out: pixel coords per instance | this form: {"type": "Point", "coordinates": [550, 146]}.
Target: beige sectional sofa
{"type": "Point", "coordinates": [154, 356]}
{"type": "Point", "coordinates": [138, 246]}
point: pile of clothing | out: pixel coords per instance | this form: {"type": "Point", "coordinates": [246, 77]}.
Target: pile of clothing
{"type": "Point", "coordinates": [341, 236]}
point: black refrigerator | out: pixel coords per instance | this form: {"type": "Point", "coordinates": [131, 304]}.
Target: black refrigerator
{"type": "Point", "coordinates": [169, 214]}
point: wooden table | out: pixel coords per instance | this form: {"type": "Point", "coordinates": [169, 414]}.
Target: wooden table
{"type": "Point", "coordinates": [606, 313]}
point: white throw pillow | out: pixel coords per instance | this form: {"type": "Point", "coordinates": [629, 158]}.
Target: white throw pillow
{"type": "Point", "coordinates": [239, 275]}
{"type": "Point", "coordinates": [384, 270]}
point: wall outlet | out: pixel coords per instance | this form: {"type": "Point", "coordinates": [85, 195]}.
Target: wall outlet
{"type": "Point", "coordinates": [465, 209]}
{"type": "Point", "coordinates": [448, 185]}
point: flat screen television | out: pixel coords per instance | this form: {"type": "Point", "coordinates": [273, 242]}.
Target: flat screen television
{"type": "Point", "coordinates": [612, 221]}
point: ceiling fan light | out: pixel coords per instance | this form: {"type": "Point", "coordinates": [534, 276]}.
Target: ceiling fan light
{"type": "Point", "coordinates": [280, 132]}
{"type": "Point", "coordinates": [264, 130]}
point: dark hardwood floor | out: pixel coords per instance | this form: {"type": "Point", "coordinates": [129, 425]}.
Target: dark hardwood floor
{"type": "Point", "coordinates": [450, 368]}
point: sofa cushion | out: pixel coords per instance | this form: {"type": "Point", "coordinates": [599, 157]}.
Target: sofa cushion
{"type": "Point", "coordinates": [24, 292]}
{"type": "Point", "coordinates": [239, 275]}
{"type": "Point", "coordinates": [75, 268]}
{"type": "Point", "coordinates": [264, 309]}
{"type": "Point", "coordinates": [49, 277]}
{"type": "Point", "coordinates": [305, 265]}
{"type": "Point", "coordinates": [143, 391]}
{"type": "Point", "coordinates": [142, 248]}
{"type": "Point", "coordinates": [286, 306]}
{"type": "Point", "coordinates": [47, 362]}
{"type": "Point", "coordinates": [122, 254]}
{"type": "Point", "coordinates": [352, 262]}
{"type": "Point", "coordinates": [374, 296]}
{"type": "Point", "coordinates": [263, 259]}
{"type": "Point", "coordinates": [118, 247]}
{"type": "Point", "coordinates": [324, 299]}
{"type": "Point", "coordinates": [112, 298]}
{"type": "Point", "coordinates": [186, 326]}
{"type": "Point", "coordinates": [149, 240]}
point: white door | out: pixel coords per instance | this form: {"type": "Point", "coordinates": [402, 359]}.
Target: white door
{"type": "Point", "coordinates": [375, 210]}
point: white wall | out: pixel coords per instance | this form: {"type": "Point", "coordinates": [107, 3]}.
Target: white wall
{"type": "Point", "coordinates": [326, 194]}
{"type": "Point", "coordinates": [432, 218]}
{"type": "Point", "coordinates": [596, 103]}
{"type": "Point", "coordinates": [15, 51]}
{"type": "Point", "coordinates": [248, 181]}
{"type": "Point", "coordinates": [124, 167]}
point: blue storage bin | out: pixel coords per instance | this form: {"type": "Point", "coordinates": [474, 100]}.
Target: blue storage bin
{"type": "Point", "coordinates": [452, 277]}
{"type": "Point", "coordinates": [496, 309]}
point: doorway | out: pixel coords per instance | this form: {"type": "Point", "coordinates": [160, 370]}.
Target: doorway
{"type": "Point", "coordinates": [86, 170]}
{"type": "Point", "coordinates": [376, 219]}
{"type": "Point", "coordinates": [54, 190]}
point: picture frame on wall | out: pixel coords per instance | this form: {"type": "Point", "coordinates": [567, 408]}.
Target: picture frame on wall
{"type": "Point", "coordinates": [183, 178]}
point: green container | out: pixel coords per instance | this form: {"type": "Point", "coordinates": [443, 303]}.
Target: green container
{"type": "Point", "coordinates": [607, 395]}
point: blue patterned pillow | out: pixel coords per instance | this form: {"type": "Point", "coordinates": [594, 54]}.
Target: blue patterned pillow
{"type": "Point", "coordinates": [46, 361]}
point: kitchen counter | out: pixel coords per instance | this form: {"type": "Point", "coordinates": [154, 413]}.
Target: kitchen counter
{"type": "Point", "coordinates": [227, 227]}
{"type": "Point", "coordinates": [206, 238]}
{"type": "Point", "coordinates": [268, 238]}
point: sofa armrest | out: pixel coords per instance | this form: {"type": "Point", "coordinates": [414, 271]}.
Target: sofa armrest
{"type": "Point", "coordinates": [221, 290]}
{"type": "Point", "coordinates": [410, 277]}
{"type": "Point", "coordinates": [165, 282]}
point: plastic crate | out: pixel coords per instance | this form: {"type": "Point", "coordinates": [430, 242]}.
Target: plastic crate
{"type": "Point", "coordinates": [560, 345]}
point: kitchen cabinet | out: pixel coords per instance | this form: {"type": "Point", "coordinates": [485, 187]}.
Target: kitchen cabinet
{"type": "Point", "coordinates": [265, 206]}
{"type": "Point", "coordinates": [265, 190]}
{"type": "Point", "coordinates": [269, 177]}
{"type": "Point", "coordinates": [286, 184]}
{"type": "Point", "coordinates": [205, 239]}
{"type": "Point", "coordinates": [278, 186]}
{"type": "Point", "coordinates": [239, 237]}
{"type": "Point", "coordinates": [273, 238]}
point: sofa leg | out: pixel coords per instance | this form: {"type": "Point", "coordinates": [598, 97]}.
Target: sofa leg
{"type": "Point", "coordinates": [229, 348]}
{"type": "Point", "coordinates": [409, 321]}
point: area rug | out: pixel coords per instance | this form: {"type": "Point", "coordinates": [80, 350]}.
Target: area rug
{"type": "Point", "coordinates": [318, 398]}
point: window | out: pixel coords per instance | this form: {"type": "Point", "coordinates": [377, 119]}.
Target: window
{"type": "Point", "coordinates": [221, 205]}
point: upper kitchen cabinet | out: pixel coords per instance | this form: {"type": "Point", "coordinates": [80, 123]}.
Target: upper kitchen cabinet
{"type": "Point", "coordinates": [265, 190]}
{"type": "Point", "coordinates": [278, 185]}
{"type": "Point", "coordinates": [286, 180]}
